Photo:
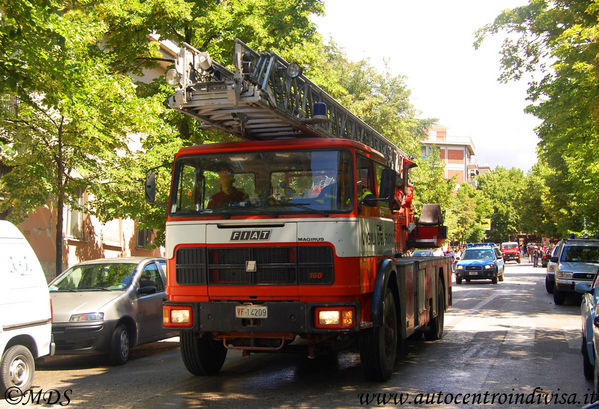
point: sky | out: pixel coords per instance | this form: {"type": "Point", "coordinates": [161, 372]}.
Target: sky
{"type": "Point", "coordinates": [430, 43]}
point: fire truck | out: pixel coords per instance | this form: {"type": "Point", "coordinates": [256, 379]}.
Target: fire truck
{"type": "Point", "coordinates": [297, 236]}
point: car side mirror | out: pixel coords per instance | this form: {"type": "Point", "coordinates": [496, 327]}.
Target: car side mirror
{"type": "Point", "coordinates": [388, 183]}
{"type": "Point", "coordinates": [583, 288]}
{"type": "Point", "coordinates": [553, 259]}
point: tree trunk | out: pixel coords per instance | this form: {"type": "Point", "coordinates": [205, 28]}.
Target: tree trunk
{"type": "Point", "coordinates": [59, 223]}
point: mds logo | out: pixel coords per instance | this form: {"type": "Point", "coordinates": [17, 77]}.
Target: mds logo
{"type": "Point", "coordinates": [239, 235]}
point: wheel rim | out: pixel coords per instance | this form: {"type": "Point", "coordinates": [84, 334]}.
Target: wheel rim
{"type": "Point", "coordinates": [124, 344]}
{"type": "Point", "coordinates": [19, 371]}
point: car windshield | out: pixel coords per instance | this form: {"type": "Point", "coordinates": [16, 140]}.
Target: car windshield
{"type": "Point", "coordinates": [95, 277]}
{"type": "Point", "coordinates": [478, 254]}
{"type": "Point", "coordinates": [267, 182]}
{"type": "Point", "coordinates": [584, 254]}
{"type": "Point", "coordinates": [510, 246]}
{"type": "Point", "coordinates": [422, 253]}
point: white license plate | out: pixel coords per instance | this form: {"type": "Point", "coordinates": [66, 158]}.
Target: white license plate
{"type": "Point", "coordinates": [251, 311]}
{"type": "Point", "coordinates": [473, 273]}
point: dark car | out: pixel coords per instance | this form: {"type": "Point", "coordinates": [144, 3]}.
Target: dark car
{"type": "Point", "coordinates": [480, 263]}
{"type": "Point", "coordinates": [590, 329]}
{"type": "Point", "coordinates": [109, 306]}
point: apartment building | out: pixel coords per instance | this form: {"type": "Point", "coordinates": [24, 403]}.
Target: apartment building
{"type": "Point", "coordinates": [456, 152]}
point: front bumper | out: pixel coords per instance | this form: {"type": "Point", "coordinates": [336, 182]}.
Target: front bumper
{"type": "Point", "coordinates": [567, 286]}
{"type": "Point", "coordinates": [511, 256]}
{"type": "Point", "coordinates": [477, 274]}
{"type": "Point", "coordinates": [283, 316]}
{"type": "Point", "coordinates": [78, 338]}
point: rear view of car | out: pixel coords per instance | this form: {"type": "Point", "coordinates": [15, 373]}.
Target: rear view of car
{"type": "Point", "coordinates": [25, 311]}
{"type": "Point", "coordinates": [510, 251]}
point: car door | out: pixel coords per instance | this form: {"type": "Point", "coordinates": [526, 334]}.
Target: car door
{"type": "Point", "coordinates": [500, 262]}
{"type": "Point", "coordinates": [589, 312]}
{"type": "Point", "coordinates": [150, 295]}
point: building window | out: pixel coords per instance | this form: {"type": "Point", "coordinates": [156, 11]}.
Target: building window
{"type": "Point", "coordinates": [75, 220]}
{"type": "Point", "coordinates": [144, 238]}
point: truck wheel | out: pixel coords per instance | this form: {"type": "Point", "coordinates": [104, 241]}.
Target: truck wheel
{"type": "Point", "coordinates": [378, 345]}
{"type": "Point", "coordinates": [202, 355]}
{"type": "Point", "coordinates": [17, 369]}
{"type": "Point", "coordinates": [558, 297]}
{"type": "Point", "coordinates": [548, 285]}
{"type": "Point", "coordinates": [120, 345]}
{"type": "Point", "coordinates": [435, 326]}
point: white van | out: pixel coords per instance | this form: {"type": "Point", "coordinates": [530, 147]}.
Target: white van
{"type": "Point", "coordinates": [25, 310]}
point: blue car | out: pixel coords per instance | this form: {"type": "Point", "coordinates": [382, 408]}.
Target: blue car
{"type": "Point", "coordinates": [480, 263]}
{"type": "Point", "coordinates": [590, 329]}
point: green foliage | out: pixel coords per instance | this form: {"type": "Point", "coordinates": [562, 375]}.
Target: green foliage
{"type": "Point", "coordinates": [557, 44]}
{"type": "Point", "coordinates": [430, 182]}
{"type": "Point", "coordinates": [466, 210]}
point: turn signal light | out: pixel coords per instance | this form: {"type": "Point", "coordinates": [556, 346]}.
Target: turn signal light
{"type": "Point", "coordinates": [334, 317]}
{"type": "Point", "coordinates": [177, 316]}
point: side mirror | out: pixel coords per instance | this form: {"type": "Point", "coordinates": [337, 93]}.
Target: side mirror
{"type": "Point", "coordinates": [583, 288]}
{"type": "Point", "coordinates": [370, 201]}
{"type": "Point", "coordinates": [388, 183]}
{"type": "Point", "coordinates": [553, 259]}
{"type": "Point", "coordinates": [150, 187]}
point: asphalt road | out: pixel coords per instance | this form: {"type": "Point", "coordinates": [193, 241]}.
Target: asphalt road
{"type": "Point", "coordinates": [505, 345]}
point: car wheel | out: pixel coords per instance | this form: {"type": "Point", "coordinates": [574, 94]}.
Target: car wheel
{"type": "Point", "coordinates": [458, 280]}
{"type": "Point", "coordinates": [494, 280]}
{"type": "Point", "coordinates": [518, 261]}
{"type": "Point", "coordinates": [378, 345]}
{"type": "Point", "coordinates": [17, 369]}
{"type": "Point", "coordinates": [435, 325]}
{"type": "Point", "coordinates": [558, 297]}
{"type": "Point", "coordinates": [548, 285]}
{"type": "Point", "coordinates": [202, 355]}
{"type": "Point", "coordinates": [120, 346]}
{"type": "Point", "coordinates": [586, 363]}
{"type": "Point", "coordinates": [501, 277]}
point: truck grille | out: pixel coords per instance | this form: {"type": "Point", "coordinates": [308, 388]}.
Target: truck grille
{"type": "Point", "coordinates": [274, 265]}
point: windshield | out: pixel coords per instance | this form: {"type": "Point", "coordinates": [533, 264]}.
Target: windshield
{"type": "Point", "coordinates": [510, 245]}
{"type": "Point", "coordinates": [584, 254]}
{"type": "Point", "coordinates": [109, 276]}
{"type": "Point", "coordinates": [478, 254]}
{"type": "Point", "coordinates": [262, 182]}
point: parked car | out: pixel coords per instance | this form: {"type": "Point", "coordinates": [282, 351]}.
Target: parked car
{"type": "Point", "coordinates": [550, 272]}
{"type": "Point", "coordinates": [109, 306]}
{"type": "Point", "coordinates": [479, 263]}
{"type": "Point", "coordinates": [510, 250]}
{"type": "Point", "coordinates": [25, 311]}
{"type": "Point", "coordinates": [422, 253]}
{"type": "Point", "coordinates": [590, 328]}
{"type": "Point", "coordinates": [577, 261]}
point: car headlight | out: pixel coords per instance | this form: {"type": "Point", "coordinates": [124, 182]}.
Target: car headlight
{"type": "Point", "coordinates": [459, 267]}
{"type": "Point", "coordinates": [489, 266]}
{"type": "Point", "coordinates": [88, 316]}
{"type": "Point", "coordinates": [564, 274]}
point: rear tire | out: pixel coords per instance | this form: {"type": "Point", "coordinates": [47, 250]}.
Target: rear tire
{"type": "Point", "coordinates": [435, 326]}
{"type": "Point", "coordinates": [17, 369]}
{"type": "Point", "coordinates": [586, 363]}
{"type": "Point", "coordinates": [202, 355]}
{"type": "Point", "coordinates": [549, 285]}
{"type": "Point", "coordinates": [378, 345]}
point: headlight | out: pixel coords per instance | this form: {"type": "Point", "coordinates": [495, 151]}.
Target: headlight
{"type": "Point", "coordinates": [489, 266]}
{"type": "Point", "coordinates": [89, 316]}
{"type": "Point", "coordinates": [459, 267]}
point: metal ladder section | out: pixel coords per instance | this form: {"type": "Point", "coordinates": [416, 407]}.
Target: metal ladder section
{"type": "Point", "coordinates": [261, 101]}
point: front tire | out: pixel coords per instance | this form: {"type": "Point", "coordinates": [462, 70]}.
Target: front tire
{"type": "Point", "coordinates": [120, 346]}
{"type": "Point", "coordinates": [558, 297]}
{"type": "Point", "coordinates": [549, 285]}
{"type": "Point", "coordinates": [17, 369]}
{"type": "Point", "coordinates": [202, 355]}
{"type": "Point", "coordinates": [378, 345]}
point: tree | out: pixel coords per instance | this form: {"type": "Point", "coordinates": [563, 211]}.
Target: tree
{"type": "Point", "coordinates": [466, 210]}
{"type": "Point", "coordinates": [67, 115]}
{"type": "Point", "coordinates": [432, 187]}
{"type": "Point", "coordinates": [556, 43]}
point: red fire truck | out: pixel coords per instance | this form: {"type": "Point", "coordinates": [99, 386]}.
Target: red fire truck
{"type": "Point", "coordinates": [297, 235]}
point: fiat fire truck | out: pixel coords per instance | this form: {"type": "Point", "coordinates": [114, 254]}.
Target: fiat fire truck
{"type": "Point", "coordinates": [297, 236]}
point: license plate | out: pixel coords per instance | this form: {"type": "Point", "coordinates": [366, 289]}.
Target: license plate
{"type": "Point", "coordinates": [473, 273]}
{"type": "Point", "coordinates": [251, 311]}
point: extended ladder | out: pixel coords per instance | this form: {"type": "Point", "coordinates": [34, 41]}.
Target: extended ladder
{"type": "Point", "coordinates": [266, 98]}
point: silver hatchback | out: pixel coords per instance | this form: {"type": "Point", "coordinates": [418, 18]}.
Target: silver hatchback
{"type": "Point", "coordinates": [109, 306]}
